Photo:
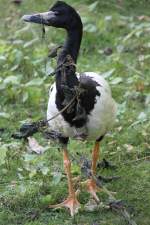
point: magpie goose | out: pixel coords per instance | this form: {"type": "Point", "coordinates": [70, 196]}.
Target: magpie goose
{"type": "Point", "coordinates": [90, 110]}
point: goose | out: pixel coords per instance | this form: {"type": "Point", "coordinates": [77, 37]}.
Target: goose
{"type": "Point", "coordinates": [83, 103]}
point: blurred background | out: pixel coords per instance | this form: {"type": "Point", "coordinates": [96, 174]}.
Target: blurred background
{"type": "Point", "coordinates": [116, 43]}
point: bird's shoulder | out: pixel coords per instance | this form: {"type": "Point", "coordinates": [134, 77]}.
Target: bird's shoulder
{"type": "Point", "coordinates": [92, 80]}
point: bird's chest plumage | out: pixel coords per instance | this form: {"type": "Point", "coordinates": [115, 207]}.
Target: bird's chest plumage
{"type": "Point", "coordinates": [98, 105]}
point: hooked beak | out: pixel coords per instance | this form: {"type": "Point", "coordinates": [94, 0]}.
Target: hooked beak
{"type": "Point", "coordinates": [41, 18]}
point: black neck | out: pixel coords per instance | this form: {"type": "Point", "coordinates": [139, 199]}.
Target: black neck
{"type": "Point", "coordinates": [71, 47]}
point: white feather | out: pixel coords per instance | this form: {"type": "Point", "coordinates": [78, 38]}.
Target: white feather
{"type": "Point", "coordinates": [100, 120]}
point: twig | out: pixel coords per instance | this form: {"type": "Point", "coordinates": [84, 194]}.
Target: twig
{"type": "Point", "coordinates": [121, 210]}
{"type": "Point", "coordinates": [114, 204]}
{"type": "Point", "coordinates": [61, 111]}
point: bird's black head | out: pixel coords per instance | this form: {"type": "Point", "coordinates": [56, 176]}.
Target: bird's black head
{"type": "Point", "coordinates": [60, 15]}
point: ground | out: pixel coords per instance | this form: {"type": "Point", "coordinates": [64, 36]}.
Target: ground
{"type": "Point", "coordinates": [115, 44]}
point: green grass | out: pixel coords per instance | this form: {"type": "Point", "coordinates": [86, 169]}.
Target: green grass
{"type": "Point", "coordinates": [27, 181]}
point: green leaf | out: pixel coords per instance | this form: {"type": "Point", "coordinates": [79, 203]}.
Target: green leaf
{"type": "Point", "coordinates": [12, 80]}
{"type": "Point", "coordinates": [46, 200]}
{"type": "Point", "coordinates": [25, 97]}
{"type": "Point", "coordinates": [116, 80]}
{"type": "Point", "coordinates": [30, 43]}
{"type": "Point", "coordinates": [75, 169]}
{"type": "Point", "coordinates": [29, 157]}
{"type": "Point", "coordinates": [91, 28]}
{"type": "Point", "coordinates": [142, 116]}
{"type": "Point", "coordinates": [2, 58]}
{"type": "Point", "coordinates": [56, 177]}
{"type": "Point", "coordinates": [2, 86]}
{"type": "Point", "coordinates": [35, 82]}
{"type": "Point", "coordinates": [93, 6]}
{"type": "Point", "coordinates": [4, 115]}
{"type": "Point", "coordinates": [35, 95]}
{"type": "Point", "coordinates": [3, 151]}
{"type": "Point", "coordinates": [121, 108]}
{"type": "Point", "coordinates": [22, 189]}
{"type": "Point", "coordinates": [108, 73]}
{"type": "Point", "coordinates": [44, 170]}
{"type": "Point", "coordinates": [32, 173]}
{"type": "Point", "coordinates": [15, 67]}
{"type": "Point", "coordinates": [18, 56]}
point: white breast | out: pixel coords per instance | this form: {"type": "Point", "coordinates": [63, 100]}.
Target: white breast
{"type": "Point", "coordinates": [101, 118]}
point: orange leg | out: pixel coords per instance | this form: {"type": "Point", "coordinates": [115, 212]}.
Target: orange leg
{"type": "Point", "coordinates": [95, 156]}
{"type": "Point", "coordinates": [71, 202]}
{"type": "Point", "coordinates": [90, 183]}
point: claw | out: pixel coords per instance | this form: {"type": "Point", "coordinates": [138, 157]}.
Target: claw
{"type": "Point", "coordinates": [92, 188]}
{"type": "Point", "coordinates": [71, 203]}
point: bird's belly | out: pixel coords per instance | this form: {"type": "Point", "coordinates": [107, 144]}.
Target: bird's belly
{"type": "Point", "coordinates": [102, 117]}
{"type": "Point", "coordinates": [61, 126]}
{"type": "Point", "coordinates": [58, 124]}
{"type": "Point", "coordinates": [99, 120]}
